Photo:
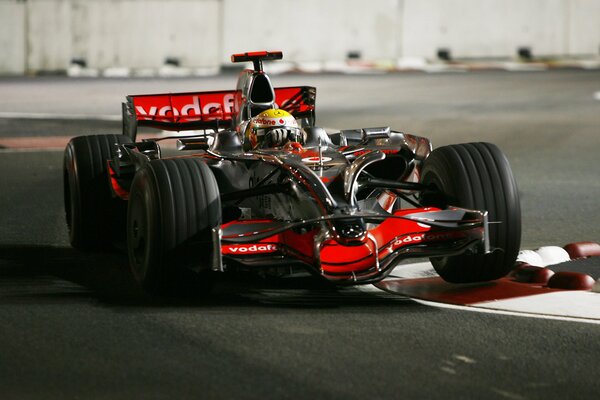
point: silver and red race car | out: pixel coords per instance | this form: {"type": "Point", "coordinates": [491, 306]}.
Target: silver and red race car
{"type": "Point", "coordinates": [346, 205]}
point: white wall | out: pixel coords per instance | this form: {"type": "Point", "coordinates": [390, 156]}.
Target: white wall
{"type": "Point", "coordinates": [12, 37]}
{"type": "Point", "coordinates": [583, 27]}
{"type": "Point", "coordinates": [48, 34]}
{"type": "Point", "coordinates": [313, 30]}
{"type": "Point", "coordinates": [141, 34]}
{"type": "Point", "coordinates": [45, 35]}
{"type": "Point", "coordinates": [484, 28]}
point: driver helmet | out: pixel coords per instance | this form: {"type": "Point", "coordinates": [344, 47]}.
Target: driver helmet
{"type": "Point", "coordinates": [272, 128]}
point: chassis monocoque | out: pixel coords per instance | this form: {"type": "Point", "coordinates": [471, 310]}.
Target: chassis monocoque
{"type": "Point", "coordinates": [347, 205]}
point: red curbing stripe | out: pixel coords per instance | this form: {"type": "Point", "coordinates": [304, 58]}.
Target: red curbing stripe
{"type": "Point", "coordinates": [582, 249]}
{"type": "Point", "coordinates": [526, 273]}
{"type": "Point", "coordinates": [571, 281]}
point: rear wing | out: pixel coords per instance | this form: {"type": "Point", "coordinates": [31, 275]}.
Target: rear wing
{"type": "Point", "coordinates": [257, 57]}
{"type": "Point", "coordinates": [205, 110]}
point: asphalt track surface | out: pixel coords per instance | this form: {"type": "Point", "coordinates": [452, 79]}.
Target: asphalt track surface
{"type": "Point", "coordinates": [72, 325]}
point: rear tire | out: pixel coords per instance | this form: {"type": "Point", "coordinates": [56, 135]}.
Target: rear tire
{"type": "Point", "coordinates": [173, 206]}
{"type": "Point", "coordinates": [93, 216]}
{"type": "Point", "coordinates": [476, 176]}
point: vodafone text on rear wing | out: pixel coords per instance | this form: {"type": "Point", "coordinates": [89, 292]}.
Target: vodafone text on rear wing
{"type": "Point", "coordinates": [205, 110]}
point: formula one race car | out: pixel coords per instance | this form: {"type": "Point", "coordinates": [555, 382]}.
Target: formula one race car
{"type": "Point", "coordinates": [347, 205]}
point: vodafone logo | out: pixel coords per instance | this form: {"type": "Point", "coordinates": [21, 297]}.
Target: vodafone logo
{"type": "Point", "coordinates": [409, 239]}
{"type": "Point", "coordinates": [250, 249]}
{"type": "Point", "coordinates": [427, 237]}
{"type": "Point", "coordinates": [190, 109]}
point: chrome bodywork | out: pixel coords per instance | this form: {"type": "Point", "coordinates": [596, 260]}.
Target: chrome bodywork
{"type": "Point", "coordinates": [323, 181]}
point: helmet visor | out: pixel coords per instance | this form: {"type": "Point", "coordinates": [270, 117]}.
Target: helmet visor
{"type": "Point", "coordinates": [277, 136]}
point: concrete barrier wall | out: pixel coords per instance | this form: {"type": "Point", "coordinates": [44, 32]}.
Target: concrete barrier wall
{"type": "Point", "coordinates": [45, 35]}
{"type": "Point", "coordinates": [583, 27]}
{"type": "Point", "coordinates": [48, 35]}
{"type": "Point", "coordinates": [314, 30]}
{"type": "Point", "coordinates": [483, 28]}
{"type": "Point", "coordinates": [12, 37]}
{"type": "Point", "coordinates": [492, 28]}
{"type": "Point", "coordinates": [142, 34]}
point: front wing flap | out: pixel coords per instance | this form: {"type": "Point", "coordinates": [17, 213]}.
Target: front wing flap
{"type": "Point", "coordinates": [422, 232]}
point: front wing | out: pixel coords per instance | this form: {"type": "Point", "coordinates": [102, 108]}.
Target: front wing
{"type": "Point", "coordinates": [421, 232]}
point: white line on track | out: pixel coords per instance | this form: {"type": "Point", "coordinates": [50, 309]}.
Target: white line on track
{"type": "Point", "coordinates": [597, 96]}
{"type": "Point", "coordinates": [505, 312]}
{"type": "Point", "coordinates": [53, 143]}
{"type": "Point", "coordinates": [32, 150]}
{"type": "Point", "coordinates": [571, 303]}
{"type": "Point", "coordinates": [82, 117]}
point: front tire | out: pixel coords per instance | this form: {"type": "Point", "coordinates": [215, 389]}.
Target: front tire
{"type": "Point", "coordinates": [173, 206]}
{"type": "Point", "coordinates": [476, 176]}
{"type": "Point", "coordinates": [93, 216]}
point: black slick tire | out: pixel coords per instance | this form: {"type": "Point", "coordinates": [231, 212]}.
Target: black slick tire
{"type": "Point", "coordinates": [94, 218]}
{"type": "Point", "coordinates": [173, 206]}
{"type": "Point", "coordinates": [476, 176]}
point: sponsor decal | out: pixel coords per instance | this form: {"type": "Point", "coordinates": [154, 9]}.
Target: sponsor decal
{"type": "Point", "coordinates": [250, 249]}
{"type": "Point", "coordinates": [427, 237]}
{"type": "Point", "coordinates": [193, 107]}
{"type": "Point", "coordinates": [264, 121]}
{"type": "Point", "coordinates": [314, 160]}
{"type": "Point", "coordinates": [209, 106]}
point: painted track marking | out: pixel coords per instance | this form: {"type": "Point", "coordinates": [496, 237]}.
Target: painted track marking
{"type": "Point", "coordinates": [76, 117]}
{"type": "Point", "coordinates": [54, 143]}
{"type": "Point", "coordinates": [419, 282]}
{"type": "Point", "coordinates": [507, 312]}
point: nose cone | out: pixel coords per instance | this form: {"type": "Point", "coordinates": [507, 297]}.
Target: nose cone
{"type": "Point", "coordinates": [338, 258]}
{"type": "Point", "coordinates": [350, 232]}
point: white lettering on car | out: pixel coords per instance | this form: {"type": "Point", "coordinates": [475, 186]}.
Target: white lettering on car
{"type": "Point", "coordinates": [228, 103]}
{"type": "Point", "coordinates": [192, 108]}
{"type": "Point", "coordinates": [163, 111]}
{"type": "Point", "coordinates": [210, 108]}
{"type": "Point", "coordinates": [427, 237]}
{"type": "Point", "coordinates": [141, 110]}
{"type": "Point", "coordinates": [255, 248]}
